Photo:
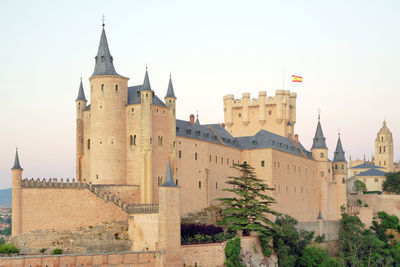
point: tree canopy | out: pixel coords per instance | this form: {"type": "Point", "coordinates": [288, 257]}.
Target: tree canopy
{"type": "Point", "coordinates": [359, 186]}
{"type": "Point", "coordinates": [392, 183]}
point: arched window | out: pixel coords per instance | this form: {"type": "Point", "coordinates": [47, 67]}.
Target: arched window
{"type": "Point", "coordinates": [102, 87]}
{"type": "Point", "coordinates": [116, 87]}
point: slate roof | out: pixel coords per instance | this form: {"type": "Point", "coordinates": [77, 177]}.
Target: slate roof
{"type": "Point", "coordinates": [170, 90]}
{"type": "Point", "coordinates": [319, 139]}
{"type": "Point", "coordinates": [146, 82]}
{"type": "Point", "coordinates": [366, 166]}
{"type": "Point", "coordinates": [372, 172]}
{"type": "Point", "coordinates": [16, 166]}
{"type": "Point", "coordinates": [169, 180]}
{"type": "Point", "coordinates": [263, 139]}
{"type": "Point", "coordinates": [134, 96]}
{"type": "Point", "coordinates": [81, 92]}
{"type": "Point", "coordinates": [104, 61]}
{"type": "Point", "coordinates": [339, 153]}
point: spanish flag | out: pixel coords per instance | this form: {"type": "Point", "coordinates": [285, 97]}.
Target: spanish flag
{"type": "Point", "coordinates": [297, 79]}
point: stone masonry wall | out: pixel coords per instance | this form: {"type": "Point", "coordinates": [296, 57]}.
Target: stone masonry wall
{"type": "Point", "coordinates": [64, 209]}
{"type": "Point", "coordinates": [123, 259]}
{"type": "Point", "coordinates": [329, 228]}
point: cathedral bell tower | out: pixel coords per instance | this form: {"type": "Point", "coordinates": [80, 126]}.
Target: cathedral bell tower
{"type": "Point", "coordinates": [384, 148]}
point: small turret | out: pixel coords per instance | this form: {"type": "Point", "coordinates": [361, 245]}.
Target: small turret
{"type": "Point", "coordinates": [169, 180]}
{"type": "Point", "coordinates": [170, 90]}
{"type": "Point", "coordinates": [81, 93]}
{"type": "Point", "coordinates": [146, 83]}
{"type": "Point", "coordinates": [16, 166]}
{"type": "Point", "coordinates": [170, 102]}
{"type": "Point", "coordinates": [319, 149]}
{"type": "Point", "coordinates": [16, 176]}
{"type": "Point", "coordinates": [80, 107]}
{"type": "Point", "coordinates": [339, 153]}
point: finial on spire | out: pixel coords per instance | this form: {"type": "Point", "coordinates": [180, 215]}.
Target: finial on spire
{"type": "Point", "coordinates": [338, 132]}
{"type": "Point", "coordinates": [103, 19]}
{"type": "Point", "coordinates": [319, 114]}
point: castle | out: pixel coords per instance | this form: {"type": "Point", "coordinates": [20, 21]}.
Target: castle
{"type": "Point", "coordinates": [127, 137]}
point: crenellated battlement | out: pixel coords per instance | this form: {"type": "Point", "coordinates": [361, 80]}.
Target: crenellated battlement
{"type": "Point", "coordinates": [246, 116]}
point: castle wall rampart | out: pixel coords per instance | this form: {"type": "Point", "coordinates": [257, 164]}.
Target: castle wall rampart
{"type": "Point", "coordinates": [65, 208]}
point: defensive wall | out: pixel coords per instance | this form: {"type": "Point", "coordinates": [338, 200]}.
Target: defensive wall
{"type": "Point", "coordinates": [328, 228]}
{"type": "Point", "coordinates": [387, 203]}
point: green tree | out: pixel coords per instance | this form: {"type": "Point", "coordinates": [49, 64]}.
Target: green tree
{"type": "Point", "coordinates": [232, 253]}
{"type": "Point", "coordinates": [289, 242]}
{"type": "Point", "coordinates": [359, 186]}
{"type": "Point", "coordinates": [248, 209]}
{"type": "Point", "coordinates": [392, 183]}
{"type": "Point", "coordinates": [313, 256]}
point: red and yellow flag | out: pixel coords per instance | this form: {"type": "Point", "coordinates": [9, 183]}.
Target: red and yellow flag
{"type": "Point", "coordinates": [297, 79]}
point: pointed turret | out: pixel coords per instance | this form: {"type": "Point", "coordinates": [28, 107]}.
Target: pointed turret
{"type": "Point", "coordinates": [169, 180]}
{"type": "Point", "coordinates": [170, 91]}
{"type": "Point", "coordinates": [81, 93]}
{"type": "Point", "coordinates": [319, 139]}
{"type": "Point", "coordinates": [104, 60]}
{"type": "Point", "coordinates": [339, 153]}
{"type": "Point", "coordinates": [16, 166]}
{"type": "Point", "coordinates": [146, 83]}
{"type": "Point", "coordinates": [197, 120]}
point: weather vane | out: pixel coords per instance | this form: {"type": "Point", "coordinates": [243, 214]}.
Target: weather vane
{"type": "Point", "coordinates": [319, 114]}
{"type": "Point", "coordinates": [103, 19]}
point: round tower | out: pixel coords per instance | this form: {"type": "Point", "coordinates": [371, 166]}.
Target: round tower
{"type": "Point", "coordinates": [339, 165]}
{"type": "Point", "coordinates": [170, 102]}
{"type": "Point", "coordinates": [80, 106]}
{"type": "Point", "coordinates": [16, 174]}
{"type": "Point", "coordinates": [107, 143]}
{"type": "Point", "coordinates": [384, 148]}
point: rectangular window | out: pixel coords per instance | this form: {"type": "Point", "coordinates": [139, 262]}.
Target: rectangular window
{"type": "Point", "coordinates": [180, 154]}
{"type": "Point", "coordinates": [216, 185]}
{"type": "Point", "coordinates": [222, 160]}
{"type": "Point", "coordinates": [262, 163]}
{"type": "Point", "coordinates": [200, 184]}
{"type": "Point", "coordinates": [216, 159]}
{"type": "Point", "coordinates": [195, 156]}
{"type": "Point", "coordinates": [210, 158]}
{"type": "Point", "coordinates": [176, 181]}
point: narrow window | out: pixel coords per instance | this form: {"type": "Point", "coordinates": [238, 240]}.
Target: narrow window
{"type": "Point", "coordinates": [133, 110]}
{"type": "Point", "coordinates": [200, 184]}
{"type": "Point", "coordinates": [195, 156]}
{"type": "Point", "coordinates": [343, 181]}
{"type": "Point", "coordinates": [384, 162]}
{"type": "Point", "coordinates": [151, 140]}
{"type": "Point", "coordinates": [131, 140]}
{"type": "Point", "coordinates": [384, 149]}
{"type": "Point", "coordinates": [176, 181]}
{"type": "Point", "coordinates": [382, 138]}
{"type": "Point", "coordinates": [134, 139]}
{"type": "Point", "coordinates": [97, 176]}
{"type": "Point", "coordinates": [222, 160]}
{"type": "Point", "coordinates": [227, 161]}
{"type": "Point", "coordinates": [216, 159]}
{"type": "Point", "coordinates": [342, 167]}
{"type": "Point", "coordinates": [335, 166]}
{"type": "Point", "coordinates": [88, 144]}
{"type": "Point", "coordinates": [180, 154]}
{"type": "Point", "coordinates": [102, 87]}
{"type": "Point", "coordinates": [116, 87]}
{"type": "Point", "coordinates": [216, 185]}
{"type": "Point", "coordinates": [380, 150]}
{"type": "Point", "coordinates": [322, 155]}
{"type": "Point", "coordinates": [262, 163]}
{"type": "Point", "coordinates": [161, 140]}
{"type": "Point", "coordinates": [159, 181]}
{"type": "Point", "coordinates": [210, 158]}
{"type": "Point", "coordinates": [240, 115]}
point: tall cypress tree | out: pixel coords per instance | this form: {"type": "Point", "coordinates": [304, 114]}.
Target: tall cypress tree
{"type": "Point", "coordinates": [250, 206]}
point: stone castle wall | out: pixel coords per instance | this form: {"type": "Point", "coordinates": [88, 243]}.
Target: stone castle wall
{"type": "Point", "coordinates": [329, 228]}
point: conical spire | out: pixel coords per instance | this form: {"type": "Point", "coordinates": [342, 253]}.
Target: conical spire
{"type": "Point", "coordinates": [146, 82]}
{"type": "Point", "coordinates": [104, 60]}
{"type": "Point", "coordinates": [319, 139]}
{"type": "Point", "coordinates": [339, 153]}
{"type": "Point", "coordinates": [197, 119]}
{"type": "Point", "coordinates": [16, 166]}
{"type": "Point", "coordinates": [169, 180]}
{"type": "Point", "coordinates": [81, 92]}
{"type": "Point", "coordinates": [170, 91]}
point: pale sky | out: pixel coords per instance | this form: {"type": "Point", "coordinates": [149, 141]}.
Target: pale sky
{"type": "Point", "coordinates": [347, 51]}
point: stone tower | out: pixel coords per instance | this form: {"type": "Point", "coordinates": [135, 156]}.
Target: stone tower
{"type": "Point", "coordinates": [169, 221]}
{"type": "Point", "coordinates": [146, 139]}
{"type": "Point", "coordinates": [170, 102]}
{"type": "Point", "coordinates": [339, 175]}
{"type": "Point", "coordinates": [246, 116]}
{"type": "Point", "coordinates": [384, 149]}
{"type": "Point", "coordinates": [16, 174]}
{"type": "Point", "coordinates": [107, 143]}
{"type": "Point", "coordinates": [80, 106]}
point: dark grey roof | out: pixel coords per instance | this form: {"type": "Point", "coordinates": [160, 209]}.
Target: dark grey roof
{"type": "Point", "coordinates": [215, 133]}
{"type": "Point", "coordinates": [319, 215]}
{"type": "Point", "coordinates": [169, 180]}
{"type": "Point", "coordinates": [372, 172]}
{"type": "Point", "coordinates": [366, 166]}
{"type": "Point", "coordinates": [87, 107]}
{"type": "Point", "coordinates": [319, 139]}
{"type": "Point", "coordinates": [265, 139]}
{"type": "Point", "coordinates": [81, 93]}
{"type": "Point", "coordinates": [146, 82]}
{"type": "Point", "coordinates": [339, 153]}
{"type": "Point", "coordinates": [134, 96]}
{"type": "Point", "coordinates": [197, 120]}
{"type": "Point", "coordinates": [170, 91]}
{"type": "Point", "coordinates": [16, 166]}
{"type": "Point", "coordinates": [104, 60]}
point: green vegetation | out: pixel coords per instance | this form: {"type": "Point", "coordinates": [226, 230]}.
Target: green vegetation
{"type": "Point", "coordinates": [359, 186]}
{"type": "Point", "coordinates": [313, 256]}
{"type": "Point", "coordinates": [43, 250]}
{"type": "Point", "coordinates": [392, 183]}
{"type": "Point", "coordinates": [248, 209]}
{"type": "Point", "coordinates": [8, 249]}
{"type": "Point", "coordinates": [320, 238]}
{"type": "Point", "coordinates": [232, 252]}
{"type": "Point", "coordinates": [6, 231]}
{"type": "Point", "coordinates": [57, 251]}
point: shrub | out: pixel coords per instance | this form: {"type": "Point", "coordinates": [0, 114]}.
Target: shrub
{"type": "Point", "coordinates": [193, 229]}
{"type": "Point", "coordinates": [313, 256]}
{"type": "Point", "coordinates": [9, 249]}
{"type": "Point", "coordinates": [57, 251]}
{"type": "Point", "coordinates": [330, 262]}
{"type": "Point", "coordinates": [265, 245]}
{"type": "Point", "coordinates": [366, 205]}
{"type": "Point", "coordinates": [320, 238]}
{"type": "Point", "coordinates": [232, 252]}
{"type": "Point", "coordinates": [43, 250]}
{"type": "Point", "coordinates": [359, 201]}
{"type": "Point", "coordinates": [221, 237]}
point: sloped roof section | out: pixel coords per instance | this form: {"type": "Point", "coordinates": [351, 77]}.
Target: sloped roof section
{"type": "Point", "coordinates": [81, 93]}
{"type": "Point", "coordinates": [170, 90]}
{"type": "Point", "coordinates": [339, 153]}
{"type": "Point", "coordinates": [372, 172]}
{"type": "Point", "coordinates": [134, 96]}
{"type": "Point", "coordinates": [366, 166]}
{"type": "Point", "coordinates": [16, 166]}
{"type": "Point", "coordinates": [319, 139]}
{"type": "Point", "coordinates": [169, 180]}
